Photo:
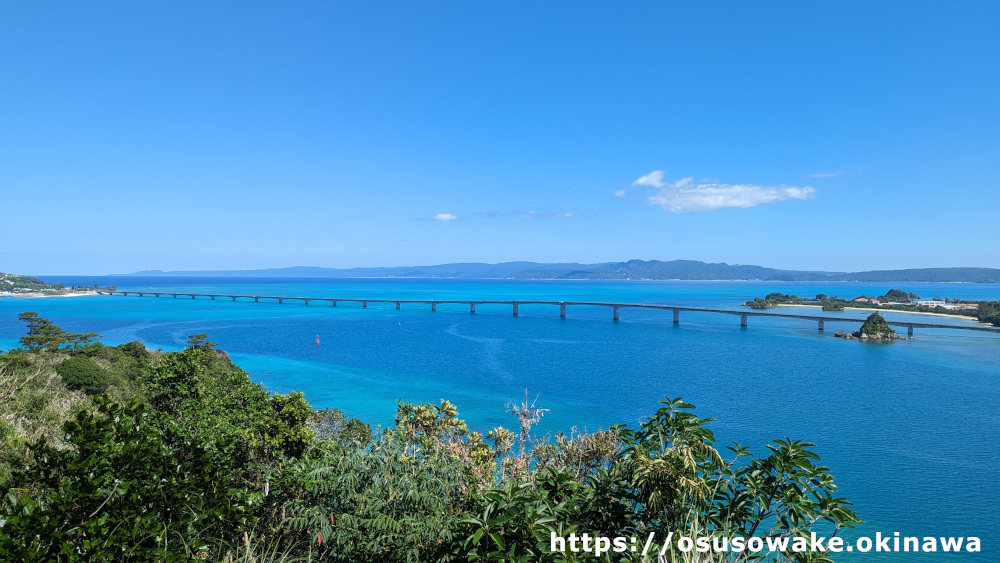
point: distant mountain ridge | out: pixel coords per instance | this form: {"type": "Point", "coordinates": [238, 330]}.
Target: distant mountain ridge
{"type": "Point", "coordinates": [457, 270]}
{"type": "Point", "coordinates": [633, 269]}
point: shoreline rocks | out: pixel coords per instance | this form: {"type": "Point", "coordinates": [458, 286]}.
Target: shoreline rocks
{"type": "Point", "coordinates": [877, 337]}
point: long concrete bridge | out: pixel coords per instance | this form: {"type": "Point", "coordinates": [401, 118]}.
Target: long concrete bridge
{"type": "Point", "coordinates": [615, 308]}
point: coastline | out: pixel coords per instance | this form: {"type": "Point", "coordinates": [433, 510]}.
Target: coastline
{"type": "Point", "coordinates": [971, 319]}
{"type": "Point", "coordinates": [42, 294]}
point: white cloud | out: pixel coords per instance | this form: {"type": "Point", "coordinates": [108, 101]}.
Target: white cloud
{"type": "Point", "coordinates": [620, 194]}
{"type": "Point", "coordinates": [653, 180]}
{"type": "Point", "coordinates": [687, 196]}
{"type": "Point", "coordinates": [832, 174]}
{"type": "Point", "coordinates": [445, 217]}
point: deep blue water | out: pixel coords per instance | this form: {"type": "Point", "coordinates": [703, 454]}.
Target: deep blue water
{"type": "Point", "coordinates": [909, 429]}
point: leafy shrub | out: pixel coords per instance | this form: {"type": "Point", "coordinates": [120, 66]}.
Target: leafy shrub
{"type": "Point", "coordinates": [666, 477]}
{"type": "Point", "coordinates": [208, 398]}
{"type": "Point", "coordinates": [34, 404]}
{"type": "Point", "coordinates": [136, 350]}
{"type": "Point", "coordinates": [81, 372]}
{"type": "Point", "coordinates": [783, 298]}
{"type": "Point", "coordinates": [15, 359]}
{"type": "Point", "coordinates": [675, 478]}
{"type": "Point", "coordinates": [356, 432]}
{"type": "Point", "coordinates": [12, 447]}
{"type": "Point", "coordinates": [120, 492]}
{"type": "Point", "coordinates": [989, 312]}
{"type": "Point", "coordinates": [759, 303]}
{"type": "Point", "coordinates": [392, 501]}
{"type": "Point", "coordinates": [515, 521]}
{"type": "Point", "coordinates": [772, 300]}
{"type": "Point", "coordinates": [95, 350]}
{"type": "Point", "coordinates": [333, 424]}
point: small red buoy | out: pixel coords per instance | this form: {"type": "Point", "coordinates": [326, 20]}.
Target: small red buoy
{"type": "Point", "coordinates": [317, 340]}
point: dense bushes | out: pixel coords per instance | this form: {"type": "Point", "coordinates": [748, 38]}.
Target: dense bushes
{"type": "Point", "coordinates": [84, 374]}
{"type": "Point", "coordinates": [391, 501]}
{"type": "Point", "coordinates": [206, 397]}
{"type": "Point", "coordinates": [772, 300]}
{"type": "Point", "coordinates": [989, 312]}
{"type": "Point", "coordinates": [12, 447]}
{"type": "Point", "coordinates": [135, 350]}
{"type": "Point", "coordinates": [120, 492]}
{"type": "Point", "coordinates": [898, 296]}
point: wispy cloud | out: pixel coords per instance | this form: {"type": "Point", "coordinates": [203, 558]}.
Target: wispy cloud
{"type": "Point", "coordinates": [533, 214]}
{"type": "Point", "coordinates": [544, 213]}
{"type": "Point", "coordinates": [687, 196]}
{"type": "Point", "coordinates": [620, 194]}
{"type": "Point", "coordinates": [832, 174]}
{"type": "Point", "coordinates": [445, 217]}
{"type": "Point", "coordinates": [652, 180]}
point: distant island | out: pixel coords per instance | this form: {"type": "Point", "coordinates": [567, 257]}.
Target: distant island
{"type": "Point", "coordinates": [15, 284]}
{"type": "Point", "coordinates": [893, 300]}
{"type": "Point", "coordinates": [692, 270]}
{"type": "Point", "coordinates": [26, 286]}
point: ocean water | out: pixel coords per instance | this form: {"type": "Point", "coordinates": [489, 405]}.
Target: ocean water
{"type": "Point", "coordinates": [909, 429]}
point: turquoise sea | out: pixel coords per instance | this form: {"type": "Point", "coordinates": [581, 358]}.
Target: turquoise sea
{"type": "Point", "coordinates": [909, 429]}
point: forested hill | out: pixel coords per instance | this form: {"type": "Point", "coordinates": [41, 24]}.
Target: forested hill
{"type": "Point", "coordinates": [632, 269]}
{"type": "Point", "coordinates": [458, 270]}
{"type": "Point", "coordinates": [940, 275]}
{"type": "Point", "coordinates": [657, 270]}
{"type": "Point", "coordinates": [11, 283]}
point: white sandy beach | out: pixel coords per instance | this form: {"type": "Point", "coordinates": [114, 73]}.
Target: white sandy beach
{"type": "Point", "coordinates": [40, 294]}
{"type": "Point", "coordinates": [970, 319]}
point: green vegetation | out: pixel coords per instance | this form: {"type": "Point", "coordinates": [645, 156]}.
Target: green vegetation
{"type": "Point", "coordinates": [898, 296]}
{"type": "Point", "coordinates": [43, 335]}
{"type": "Point", "coordinates": [989, 312]}
{"type": "Point", "coordinates": [121, 453]}
{"type": "Point", "coordinates": [82, 373]}
{"type": "Point", "coordinates": [10, 283]}
{"type": "Point", "coordinates": [875, 327]}
{"type": "Point", "coordinates": [893, 300]}
{"type": "Point", "coordinates": [19, 285]}
{"type": "Point", "coordinates": [772, 300]}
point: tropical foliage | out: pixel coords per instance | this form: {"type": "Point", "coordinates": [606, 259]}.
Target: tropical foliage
{"type": "Point", "coordinates": [898, 296]}
{"type": "Point", "coordinates": [989, 312]}
{"type": "Point", "coordinates": [772, 300]}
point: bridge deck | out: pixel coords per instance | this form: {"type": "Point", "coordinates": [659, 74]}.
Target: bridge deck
{"type": "Point", "coordinates": [514, 303]}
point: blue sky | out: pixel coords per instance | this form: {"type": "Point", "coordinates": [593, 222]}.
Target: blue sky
{"type": "Point", "coordinates": [238, 135]}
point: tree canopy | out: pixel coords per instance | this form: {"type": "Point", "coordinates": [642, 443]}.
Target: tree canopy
{"type": "Point", "coordinates": [44, 335]}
